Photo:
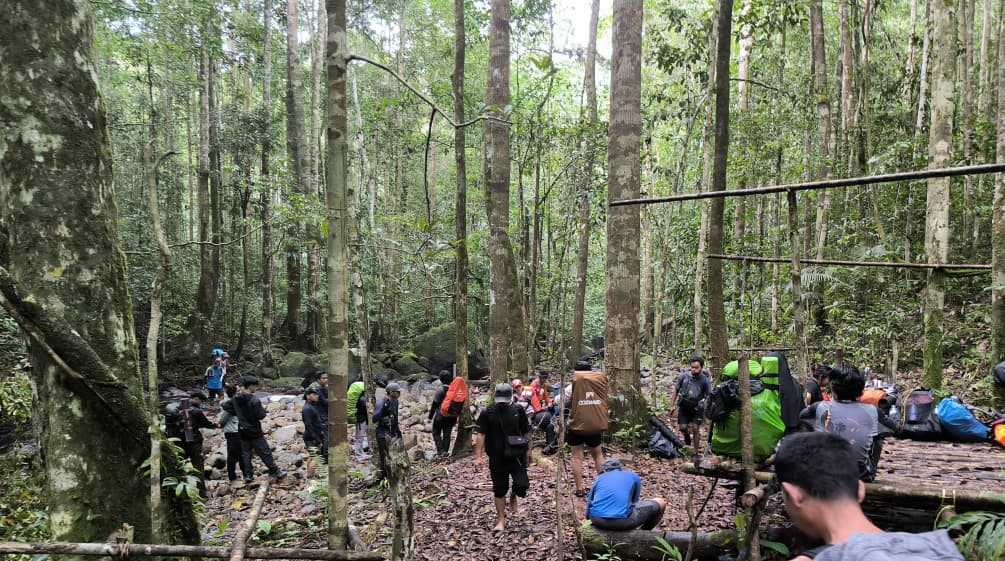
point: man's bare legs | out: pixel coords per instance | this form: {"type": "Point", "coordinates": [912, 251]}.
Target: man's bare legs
{"type": "Point", "coordinates": [598, 458]}
{"type": "Point", "coordinates": [500, 514]}
{"type": "Point", "coordinates": [577, 468]}
{"type": "Point", "coordinates": [514, 505]}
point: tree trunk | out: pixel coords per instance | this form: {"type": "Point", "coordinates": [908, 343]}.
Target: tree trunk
{"type": "Point", "coordinates": [316, 297]}
{"type": "Point", "coordinates": [337, 216]}
{"type": "Point", "coordinates": [583, 248]}
{"type": "Point", "coordinates": [998, 232]}
{"type": "Point", "coordinates": [742, 106]}
{"type": "Point", "coordinates": [624, 182]}
{"type": "Point", "coordinates": [798, 309]}
{"type": "Point", "coordinates": [966, 81]}
{"type": "Point", "coordinates": [987, 93]}
{"type": "Point", "coordinates": [205, 300]}
{"type": "Point", "coordinates": [90, 411]}
{"type": "Point", "coordinates": [462, 445]}
{"type": "Point", "coordinates": [708, 154]}
{"type": "Point", "coordinates": [926, 43]}
{"type": "Point", "coordinates": [912, 52]}
{"type": "Point", "coordinates": [718, 342]}
{"type": "Point", "coordinates": [298, 153]}
{"type": "Point", "coordinates": [266, 197]}
{"type": "Point", "coordinates": [823, 107]}
{"type": "Point", "coordinates": [940, 143]}
{"type": "Point", "coordinates": [403, 542]}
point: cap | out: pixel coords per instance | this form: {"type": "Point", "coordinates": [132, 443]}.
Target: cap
{"type": "Point", "coordinates": [610, 464]}
{"type": "Point", "coordinates": [503, 393]}
{"type": "Point", "coordinates": [249, 381]}
{"type": "Point", "coordinates": [584, 366]}
{"type": "Point", "coordinates": [312, 390]}
{"type": "Point", "coordinates": [198, 394]}
{"type": "Point", "coordinates": [516, 384]}
{"type": "Point", "coordinates": [393, 387]}
{"type": "Point", "coordinates": [543, 373]}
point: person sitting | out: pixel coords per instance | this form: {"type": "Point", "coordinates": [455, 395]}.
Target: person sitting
{"type": "Point", "coordinates": [856, 422]}
{"type": "Point", "coordinates": [543, 415]}
{"type": "Point", "coordinates": [818, 473]}
{"type": "Point", "coordinates": [815, 386]}
{"type": "Point", "coordinates": [613, 503]}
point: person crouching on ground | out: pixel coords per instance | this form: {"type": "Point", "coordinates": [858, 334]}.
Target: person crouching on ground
{"type": "Point", "coordinates": [614, 502]}
{"type": "Point", "coordinates": [818, 472]}
{"type": "Point", "coordinates": [496, 426]}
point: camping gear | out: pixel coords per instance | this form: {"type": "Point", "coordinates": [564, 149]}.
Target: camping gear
{"type": "Point", "coordinates": [589, 402]}
{"type": "Point", "coordinates": [666, 431]}
{"type": "Point", "coordinates": [767, 423]}
{"type": "Point", "coordinates": [872, 396]}
{"type": "Point", "coordinates": [660, 447]}
{"type": "Point", "coordinates": [959, 424]}
{"type": "Point", "coordinates": [919, 405]}
{"type": "Point", "coordinates": [998, 431]}
{"type": "Point", "coordinates": [790, 393]}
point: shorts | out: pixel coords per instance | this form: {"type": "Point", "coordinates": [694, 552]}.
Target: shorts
{"type": "Point", "coordinates": [645, 515]}
{"type": "Point", "coordinates": [215, 392]}
{"type": "Point", "coordinates": [688, 416]}
{"type": "Point", "coordinates": [500, 480]}
{"type": "Point", "coordinates": [591, 440]}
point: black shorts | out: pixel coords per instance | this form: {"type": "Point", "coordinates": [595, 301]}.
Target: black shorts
{"type": "Point", "coordinates": [591, 440]}
{"type": "Point", "coordinates": [688, 415]}
{"type": "Point", "coordinates": [646, 515]}
{"type": "Point", "coordinates": [500, 480]}
{"type": "Point", "coordinates": [215, 392]}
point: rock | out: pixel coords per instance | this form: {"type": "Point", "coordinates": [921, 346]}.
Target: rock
{"type": "Point", "coordinates": [419, 377]}
{"type": "Point", "coordinates": [438, 346]}
{"type": "Point", "coordinates": [308, 509]}
{"type": "Point", "coordinates": [274, 406]}
{"type": "Point", "coordinates": [383, 375]}
{"type": "Point", "coordinates": [407, 366]}
{"type": "Point", "coordinates": [219, 461]}
{"type": "Point", "coordinates": [290, 459]}
{"type": "Point", "coordinates": [284, 434]}
{"type": "Point", "coordinates": [269, 373]}
{"type": "Point", "coordinates": [288, 383]}
{"type": "Point", "coordinates": [429, 455]}
{"type": "Point", "coordinates": [297, 365]}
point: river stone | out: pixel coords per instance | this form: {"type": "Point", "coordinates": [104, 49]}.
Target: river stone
{"type": "Point", "coordinates": [437, 346]}
{"type": "Point", "coordinates": [285, 434]}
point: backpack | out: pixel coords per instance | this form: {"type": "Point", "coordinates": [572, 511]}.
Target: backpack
{"type": "Point", "coordinates": [1000, 374]}
{"type": "Point", "coordinates": [959, 423]}
{"type": "Point", "coordinates": [185, 428]}
{"type": "Point", "coordinates": [689, 395]}
{"type": "Point", "coordinates": [724, 399]}
{"type": "Point", "coordinates": [453, 402]}
{"type": "Point", "coordinates": [790, 391]}
{"type": "Point", "coordinates": [661, 447]}
{"type": "Point", "coordinates": [998, 431]}
{"type": "Point", "coordinates": [872, 396]}
{"type": "Point", "coordinates": [919, 406]}
{"type": "Point", "coordinates": [588, 403]}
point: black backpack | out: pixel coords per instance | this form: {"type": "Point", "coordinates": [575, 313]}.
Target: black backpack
{"type": "Point", "coordinates": [185, 427]}
{"type": "Point", "coordinates": [1000, 374]}
{"type": "Point", "coordinates": [724, 399]}
{"type": "Point", "coordinates": [690, 391]}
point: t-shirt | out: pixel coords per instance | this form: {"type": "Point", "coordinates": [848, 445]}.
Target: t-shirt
{"type": "Point", "coordinates": [214, 376]}
{"type": "Point", "coordinates": [614, 494]}
{"type": "Point", "coordinates": [691, 390]}
{"type": "Point", "coordinates": [495, 423]}
{"type": "Point", "coordinates": [856, 422]}
{"type": "Point", "coordinates": [894, 546]}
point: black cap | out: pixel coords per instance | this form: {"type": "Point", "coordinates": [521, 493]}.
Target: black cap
{"type": "Point", "coordinates": [198, 394]}
{"type": "Point", "coordinates": [249, 381]}
{"type": "Point", "coordinates": [312, 389]}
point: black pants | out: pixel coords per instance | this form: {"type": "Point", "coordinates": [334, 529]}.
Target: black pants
{"type": "Point", "coordinates": [235, 455]}
{"type": "Point", "coordinates": [193, 451]}
{"type": "Point", "coordinates": [382, 442]}
{"type": "Point", "coordinates": [257, 445]}
{"type": "Point", "coordinates": [442, 428]}
{"type": "Point", "coordinates": [501, 473]}
{"type": "Point", "coordinates": [542, 421]}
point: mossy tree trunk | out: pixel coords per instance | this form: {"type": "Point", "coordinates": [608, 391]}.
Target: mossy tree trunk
{"type": "Point", "coordinates": [56, 170]}
{"type": "Point", "coordinates": [998, 233]}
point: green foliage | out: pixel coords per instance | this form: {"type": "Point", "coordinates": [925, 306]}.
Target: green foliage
{"type": "Point", "coordinates": [15, 398]}
{"type": "Point", "coordinates": [22, 503]}
{"type": "Point", "coordinates": [668, 550]}
{"type": "Point", "coordinates": [984, 539]}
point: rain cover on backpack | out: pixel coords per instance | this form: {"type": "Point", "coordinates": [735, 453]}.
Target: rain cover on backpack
{"type": "Point", "coordinates": [767, 420]}
{"type": "Point", "coordinates": [959, 423]}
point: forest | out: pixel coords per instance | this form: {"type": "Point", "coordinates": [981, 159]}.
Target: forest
{"type": "Point", "coordinates": [389, 189]}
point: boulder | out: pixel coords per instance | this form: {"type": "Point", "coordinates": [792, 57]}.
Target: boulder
{"type": "Point", "coordinates": [268, 373]}
{"type": "Point", "coordinates": [408, 366]}
{"type": "Point", "coordinates": [287, 384]}
{"type": "Point", "coordinates": [297, 365]}
{"type": "Point", "coordinates": [437, 346]}
{"type": "Point", "coordinates": [285, 434]}
{"type": "Point", "coordinates": [383, 375]}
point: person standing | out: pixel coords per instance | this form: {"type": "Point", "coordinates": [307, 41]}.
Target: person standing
{"type": "Point", "coordinates": [214, 378]}
{"type": "Point", "coordinates": [315, 432]}
{"type": "Point", "coordinates": [497, 431]}
{"type": "Point", "coordinates": [691, 388]}
{"type": "Point", "coordinates": [192, 420]}
{"type": "Point", "coordinates": [356, 414]}
{"type": "Point", "coordinates": [249, 417]}
{"type": "Point", "coordinates": [614, 502]}
{"type": "Point", "coordinates": [442, 426]}
{"type": "Point", "coordinates": [228, 421]}
{"type": "Point", "coordinates": [385, 418]}
{"type": "Point", "coordinates": [587, 401]}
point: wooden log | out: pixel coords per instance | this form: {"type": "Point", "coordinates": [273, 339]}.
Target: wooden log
{"type": "Point", "coordinates": [755, 495]}
{"type": "Point", "coordinates": [901, 494]}
{"type": "Point", "coordinates": [157, 550]}
{"type": "Point", "coordinates": [241, 539]}
{"type": "Point", "coordinates": [643, 545]}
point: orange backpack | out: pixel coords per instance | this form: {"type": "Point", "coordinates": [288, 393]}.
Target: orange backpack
{"type": "Point", "coordinates": [872, 396]}
{"type": "Point", "coordinates": [998, 431]}
{"type": "Point", "coordinates": [453, 403]}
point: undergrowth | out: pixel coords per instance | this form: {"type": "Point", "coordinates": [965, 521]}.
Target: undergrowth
{"type": "Point", "coordinates": [22, 503]}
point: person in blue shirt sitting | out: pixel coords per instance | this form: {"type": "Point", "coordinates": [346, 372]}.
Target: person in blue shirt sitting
{"type": "Point", "coordinates": [614, 504]}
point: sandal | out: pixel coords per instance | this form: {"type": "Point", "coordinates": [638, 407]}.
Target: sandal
{"type": "Point", "coordinates": [580, 493]}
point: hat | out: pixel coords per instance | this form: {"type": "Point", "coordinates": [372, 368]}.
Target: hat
{"type": "Point", "coordinates": [584, 366]}
{"type": "Point", "coordinates": [543, 373]}
{"type": "Point", "coordinates": [198, 394]}
{"type": "Point", "coordinates": [504, 393]}
{"type": "Point", "coordinates": [249, 381]}
{"type": "Point", "coordinates": [393, 387]}
{"type": "Point", "coordinates": [610, 465]}
{"type": "Point", "coordinates": [516, 384]}
{"type": "Point", "coordinates": [312, 389]}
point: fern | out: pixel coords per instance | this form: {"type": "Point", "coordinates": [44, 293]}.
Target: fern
{"type": "Point", "coordinates": [985, 536]}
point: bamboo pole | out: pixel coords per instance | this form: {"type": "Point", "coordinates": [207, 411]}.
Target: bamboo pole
{"type": "Point", "coordinates": [153, 550]}
{"type": "Point", "coordinates": [963, 266]}
{"type": "Point", "coordinates": [826, 184]}
{"type": "Point", "coordinates": [241, 539]}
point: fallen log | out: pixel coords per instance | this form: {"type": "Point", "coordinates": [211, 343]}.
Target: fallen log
{"type": "Point", "coordinates": [157, 550]}
{"type": "Point", "coordinates": [901, 494]}
{"type": "Point", "coordinates": [241, 539]}
{"type": "Point", "coordinates": [644, 545]}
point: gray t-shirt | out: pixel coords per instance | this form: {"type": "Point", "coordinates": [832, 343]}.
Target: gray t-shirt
{"type": "Point", "coordinates": [894, 546]}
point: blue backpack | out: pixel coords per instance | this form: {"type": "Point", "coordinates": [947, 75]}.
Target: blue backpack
{"type": "Point", "coordinates": [959, 423]}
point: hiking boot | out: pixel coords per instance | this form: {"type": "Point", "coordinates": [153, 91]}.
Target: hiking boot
{"type": "Point", "coordinates": [280, 474]}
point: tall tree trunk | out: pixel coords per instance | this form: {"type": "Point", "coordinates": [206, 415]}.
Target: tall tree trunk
{"type": "Point", "coordinates": [708, 155]}
{"type": "Point", "coordinates": [215, 192]}
{"type": "Point", "coordinates": [296, 149]}
{"type": "Point", "coordinates": [624, 182]}
{"type": "Point", "coordinates": [742, 105]}
{"type": "Point", "coordinates": [718, 343]}
{"type": "Point", "coordinates": [583, 244]}
{"type": "Point", "coordinates": [823, 108]}
{"type": "Point", "coordinates": [926, 44]}
{"type": "Point", "coordinates": [998, 231]}
{"type": "Point", "coordinates": [338, 217]}
{"type": "Point", "coordinates": [266, 197]}
{"type": "Point", "coordinates": [316, 297]}
{"type": "Point", "coordinates": [462, 445]}
{"type": "Point", "coordinates": [91, 418]}
{"type": "Point", "coordinates": [912, 52]}
{"type": "Point", "coordinates": [940, 144]}
{"type": "Point", "coordinates": [966, 82]}
{"type": "Point", "coordinates": [986, 94]}
{"type": "Point", "coordinates": [205, 299]}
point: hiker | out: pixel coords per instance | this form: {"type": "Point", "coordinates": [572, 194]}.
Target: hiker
{"type": "Point", "coordinates": [498, 433]}
{"type": "Point", "coordinates": [442, 426]}
{"type": "Point", "coordinates": [385, 418]}
{"type": "Point", "coordinates": [321, 384]}
{"type": "Point", "coordinates": [614, 501]}
{"type": "Point", "coordinates": [816, 385]}
{"type": "Point", "coordinates": [228, 420]}
{"type": "Point", "coordinates": [856, 422]}
{"type": "Point", "coordinates": [818, 473]}
{"type": "Point", "coordinates": [543, 417]}
{"type": "Point", "coordinates": [587, 402]}
{"type": "Point", "coordinates": [692, 387]}
{"type": "Point", "coordinates": [249, 418]}
{"type": "Point", "coordinates": [214, 376]}
{"type": "Point", "coordinates": [192, 419]}
{"type": "Point", "coordinates": [315, 432]}
{"type": "Point", "coordinates": [356, 414]}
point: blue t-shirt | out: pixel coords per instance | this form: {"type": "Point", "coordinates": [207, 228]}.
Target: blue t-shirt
{"type": "Point", "coordinates": [214, 377]}
{"type": "Point", "coordinates": [614, 494]}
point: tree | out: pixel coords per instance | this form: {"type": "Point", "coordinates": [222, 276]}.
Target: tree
{"type": "Point", "coordinates": [338, 217]}
{"type": "Point", "coordinates": [624, 182]}
{"type": "Point", "coordinates": [296, 149]}
{"type": "Point", "coordinates": [940, 149]}
{"type": "Point", "coordinates": [998, 230]}
{"type": "Point", "coordinates": [266, 198]}
{"type": "Point", "coordinates": [57, 170]}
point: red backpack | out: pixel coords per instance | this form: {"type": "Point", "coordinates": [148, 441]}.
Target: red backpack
{"type": "Point", "coordinates": [453, 403]}
{"type": "Point", "coordinates": [998, 431]}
